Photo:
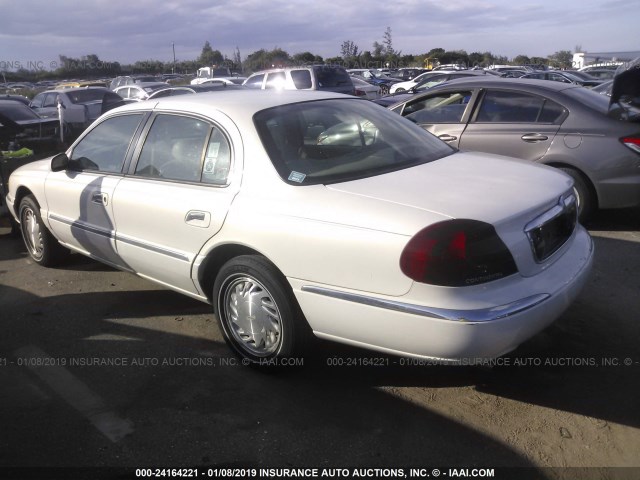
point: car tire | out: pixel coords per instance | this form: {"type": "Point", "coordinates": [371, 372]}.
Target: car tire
{"type": "Point", "coordinates": [251, 295]}
{"type": "Point", "coordinates": [398, 90]}
{"type": "Point", "coordinates": [584, 193]}
{"type": "Point", "coordinates": [384, 89]}
{"type": "Point", "coordinates": [42, 246]}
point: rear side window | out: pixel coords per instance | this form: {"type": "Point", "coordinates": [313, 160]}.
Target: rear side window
{"type": "Point", "coordinates": [255, 81]}
{"type": "Point", "coordinates": [51, 100]}
{"type": "Point", "coordinates": [328, 77]}
{"type": "Point", "coordinates": [38, 100]}
{"type": "Point", "coordinates": [275, 80]}
{"type": "Point", "coordinates": [187, 149]}
{"type": "Point", "coordinates": [517, 107]}
{"type": "Point", "coordinates": [446, 107]}
{"type": "Point", "coordinates": [104, 148]}
{"type": "Point", "coordinates": [301, 79]}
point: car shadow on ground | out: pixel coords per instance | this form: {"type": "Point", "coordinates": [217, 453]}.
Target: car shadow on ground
{"type": "Point", "coordinates": [350, 414]}
{"type": "Point", "coordinates": [195, 414]}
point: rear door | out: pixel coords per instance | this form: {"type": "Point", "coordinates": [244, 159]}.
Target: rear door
{"type": "Point", "coordinates": [513, 123]}
{"type": "Point", "coordinates": [175, 197]}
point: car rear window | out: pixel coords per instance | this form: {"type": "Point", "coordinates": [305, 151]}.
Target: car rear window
{"type": "Point", "coordinates": [337, 140]}
{"type": "Point", "coordinates": [331, 76]}
{"type": "Point", "coordinates": [301, 79]}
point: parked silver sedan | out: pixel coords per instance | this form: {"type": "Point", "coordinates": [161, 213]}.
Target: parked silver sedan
{"type": "Point", "coordinates": [365, 89]}
{"type": "Point", "coordinates": [562, 125]}
{"type": "Point", "coordinates": [314, 213]}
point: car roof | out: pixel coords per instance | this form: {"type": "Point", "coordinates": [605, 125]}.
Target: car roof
{"type": "Point", "coordinates": [233, 102]}
{"type": "Point", "coordinates": [534, 86]}
{"type": "Point", "coordinates": [71, 90]}
{"type": "Point", "coordinates": [9, 101]}
{"type": "Point", "coordinates": [302, 67]}
{"type": "Point", "coordinates": [493, 81]}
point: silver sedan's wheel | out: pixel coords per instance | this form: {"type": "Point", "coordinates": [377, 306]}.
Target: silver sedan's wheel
{"type": "Point", "coordinates": [32, 233]}
{"type": "Point", "coordinates": [258, 313]}
{"type": "Point", "coordinates": [252, 315]}
{"type": "Point", "coordinates": [41, 245]}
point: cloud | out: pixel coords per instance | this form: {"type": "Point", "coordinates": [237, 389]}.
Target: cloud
{"type": "Point", "coordinates": [125, 31]}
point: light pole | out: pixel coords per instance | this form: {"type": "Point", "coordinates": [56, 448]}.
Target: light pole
{"type": "Point", "coordinates": [173, 46]}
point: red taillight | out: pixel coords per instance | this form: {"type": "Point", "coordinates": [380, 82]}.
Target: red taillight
{"type": "Point", "coordinates": [360, 93]}
{"type": "Point", "coordinates": [456, 253]}
{"type": "Point", "coordinates": [632, 142]}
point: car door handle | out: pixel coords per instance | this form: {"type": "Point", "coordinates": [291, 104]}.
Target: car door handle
{"type": "Point", "coordinates": [198, 218]}
{"type": "Point", "coordinates": [195, 216]}
{"type": "Point", "coordinates": [100, 198]}
{"type": "Point", "coordinates": [534, 137]}
{"type": "Point", "coordinates": [447, 138]}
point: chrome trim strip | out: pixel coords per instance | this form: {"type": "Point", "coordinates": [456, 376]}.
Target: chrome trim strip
{"type": "Point", "coordinates": [119, 238]}
{"type": "Point", "coordinates": [470, 316]}
{"type": "Point", "coordinates": [153, 248]}
{"type": "Point", "coordinates": [84, 226]}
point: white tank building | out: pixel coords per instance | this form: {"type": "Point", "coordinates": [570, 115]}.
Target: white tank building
{"type": "Point", "coordinates": [583, 59]}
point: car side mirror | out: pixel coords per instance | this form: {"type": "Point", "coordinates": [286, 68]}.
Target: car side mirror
{"type": "Point", "coordinates": [60, 162]}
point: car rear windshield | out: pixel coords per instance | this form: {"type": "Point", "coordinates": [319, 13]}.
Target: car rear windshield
{"type": "Point", "coordinates": [337, 140]}
{"type": "Point", "coordinates": [593, 100]}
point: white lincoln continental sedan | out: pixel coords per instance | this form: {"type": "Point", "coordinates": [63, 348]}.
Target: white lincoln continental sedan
{"type": "Point", "coordinates": [302, 213]}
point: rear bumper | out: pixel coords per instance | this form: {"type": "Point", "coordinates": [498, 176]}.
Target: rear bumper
{"type": "Point", "coordinates": [391, 326]}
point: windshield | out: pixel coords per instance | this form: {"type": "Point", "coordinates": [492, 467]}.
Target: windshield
{"type": "Point", "coordinates": [337, 140]}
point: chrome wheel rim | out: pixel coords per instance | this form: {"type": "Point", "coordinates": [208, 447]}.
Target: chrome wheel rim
{"type": "Point", "coordinates": [32, 233]}
{"type": "Point", "coordinates": [252, 316]}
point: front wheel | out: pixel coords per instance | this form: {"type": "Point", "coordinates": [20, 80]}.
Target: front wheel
{"type": "Point", "coordinates": [42, 246]}
{"type": "Point", "coordinates": [384, 89]}
{"type": "Point", "coordinates": [259, 316]}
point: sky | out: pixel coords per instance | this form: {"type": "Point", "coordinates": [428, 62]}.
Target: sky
{"type": "Point", "coordinates": [33, 33]}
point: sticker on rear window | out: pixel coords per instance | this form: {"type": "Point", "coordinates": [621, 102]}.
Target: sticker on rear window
{"type": "Point", "coordinates": [297, 177]}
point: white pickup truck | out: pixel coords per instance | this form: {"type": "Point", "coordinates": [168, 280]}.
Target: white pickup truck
{"type": "Point", "coordinates": [206, 74]}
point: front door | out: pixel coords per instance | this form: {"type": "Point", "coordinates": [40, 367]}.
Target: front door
{"type": "Point", "coordinates": [83, 216]}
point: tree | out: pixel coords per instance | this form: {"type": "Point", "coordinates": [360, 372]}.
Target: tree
{"type": "Point", "coordinates": [454, 56]}
{"type": "Point", "coordinates": [476, 59]}
{"type": "Point", "coordinates": [522, 60]}
{"type": "Point", "coordinates": [388, 43]}
{"type": "Point", "coordinates": [562, 59]}
{"type": "Point", "coordinates": [348, 50]}
{"type": "Point", "coordinates": [209, 56]}
{"type": "Point", "coordinates": [263, 59]}
{"type": "Point", "coordinates": [306, 58]}
{"type": "Point", "coordinates": [237, 58]}
{"type": "Point", "coordinates": [378, 50]}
